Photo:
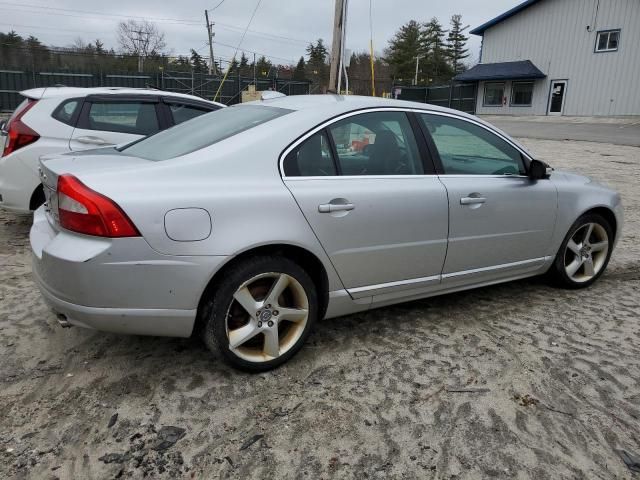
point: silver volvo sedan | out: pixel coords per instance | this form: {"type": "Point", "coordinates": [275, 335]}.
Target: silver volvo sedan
{"type": "Point", "coordinates": [248, 224]}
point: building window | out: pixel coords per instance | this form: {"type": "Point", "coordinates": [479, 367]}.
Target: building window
{"type": "Point", "coordinates": [607, 41]}
{"type": "Point", "coordinates": [493, 94]}
{"type": "Point", "coordinates": [521, 94]}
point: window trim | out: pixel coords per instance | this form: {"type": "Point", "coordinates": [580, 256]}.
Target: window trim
{"type": "Point", "coordinates": [484, 94]}
{"type": "Point", "coordinates": [525, 82]}
{"type": "Point", "coordinates": [608, 32]}
{"type": "Point", "coordinates": [426, 138]}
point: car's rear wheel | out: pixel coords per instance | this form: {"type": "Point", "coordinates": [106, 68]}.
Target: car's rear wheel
{"type": "Point", "coordinates": [584, 253]}
{"type": "Point", "coordinates": [261, 313]}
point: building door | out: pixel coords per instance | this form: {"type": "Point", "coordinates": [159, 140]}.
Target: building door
{"type": "Point", "coordinates": [556, 96]}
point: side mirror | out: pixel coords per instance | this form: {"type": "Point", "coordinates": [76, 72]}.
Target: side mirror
{"type": "Point", "coordinates": [539, 170]}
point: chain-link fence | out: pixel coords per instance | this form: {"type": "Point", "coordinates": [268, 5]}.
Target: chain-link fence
{"type": "Point", "coordinates": [460, 96]}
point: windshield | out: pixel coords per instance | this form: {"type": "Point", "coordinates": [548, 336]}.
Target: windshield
{"type": "Point", "coordinates": [202, 131]}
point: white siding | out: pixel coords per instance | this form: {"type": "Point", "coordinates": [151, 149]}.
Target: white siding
{"type": "Point", "coordinates": [553, 35]}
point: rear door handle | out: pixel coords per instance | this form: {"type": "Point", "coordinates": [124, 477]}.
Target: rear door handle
{"type": "Point", "coordinates": [335, 207]}
{"type": "Point", "coordinates": [472, 200]}
{"type": "Point", "coordinates": [92, 140]}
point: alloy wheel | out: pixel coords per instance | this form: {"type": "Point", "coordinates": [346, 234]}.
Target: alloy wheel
{"type": "Point", "coordinates": [266, 317]}
{"type": "Point", "coordinates": [586, 252]}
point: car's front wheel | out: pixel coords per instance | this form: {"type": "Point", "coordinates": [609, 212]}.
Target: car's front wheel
{"type": "Point", "coordinates": [584, 253]}
{"type": "Point", "coordinates": [261, 313]}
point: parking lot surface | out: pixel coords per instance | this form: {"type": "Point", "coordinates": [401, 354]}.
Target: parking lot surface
{"type": "Point", "coordinates": [616, 130]}
{"type": "Point", "coordinates": [519, 380]}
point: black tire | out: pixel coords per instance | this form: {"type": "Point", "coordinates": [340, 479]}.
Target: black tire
{"type": "Point", "coordinates": [558, 273]}
{"type": "Point", "coordinates": [216, 308]}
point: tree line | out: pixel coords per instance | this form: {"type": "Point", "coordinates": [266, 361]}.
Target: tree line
{"type": "Point", "coordinates": [439, 55]}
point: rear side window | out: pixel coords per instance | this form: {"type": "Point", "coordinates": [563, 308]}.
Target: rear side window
{"type": "Point", "coordinates": [138, 118]}
{"type": "Point", "coordinates": [312, 158]}
{"type": "Point", "coordinates": [182, 113]}
{"type": "Point", "coordinates": [203, 131]}
{"type": "Point", "coordinates": [67, 111]}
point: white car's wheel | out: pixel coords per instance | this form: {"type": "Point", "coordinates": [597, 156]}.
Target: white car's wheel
{"type": "Point", "coordinates": [261, 313]}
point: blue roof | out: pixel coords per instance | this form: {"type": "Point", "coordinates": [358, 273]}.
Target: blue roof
{"type": "Point", "coordinates": [519, 70]}
{"type": "Point", "coordinates": [510, 13]}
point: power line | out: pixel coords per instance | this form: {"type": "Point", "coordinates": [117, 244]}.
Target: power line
{"type": "Point", "coordinates": [221, 2]}
{"type": "Point", "coordinates": [173, 21]}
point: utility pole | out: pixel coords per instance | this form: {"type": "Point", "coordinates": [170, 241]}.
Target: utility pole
{"type": "Point", "coordinates": [254, 69]}
{"type": "Point", "coordinates": [210, 35]}
{"type": "Point", "coordinates": [336, 46]}
{"type": "Point", "coordinates": [415, 78]}
{"type": "Point", "coordinates": [141, 50]}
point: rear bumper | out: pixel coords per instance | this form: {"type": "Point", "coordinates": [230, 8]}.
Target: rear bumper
{"type": "Point", "coordinates": [147, 321]}
{"type": "Point", "coordinates": [117, 285]}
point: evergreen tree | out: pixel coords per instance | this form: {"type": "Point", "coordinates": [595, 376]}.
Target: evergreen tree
{"type": "Point", "coordinates": [317, 67]}
{"type": "Point", "coordinates": [402, 51]}
{"type": "Point", "coordinates": [299, 72]}
{"type": "Point", "coordinates": [436, 68]}
{"type": "Point", "coordinates": [245, 71]}
{"type": "Point", "coordinates": [263, 67]}
{"type": "Point", "coordinates": [457, 43]}
{"type": "Point", "coordinates": [197, 62]}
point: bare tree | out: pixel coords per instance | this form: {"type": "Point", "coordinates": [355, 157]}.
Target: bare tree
{"type": "Point", "coordinates": [140, 38]}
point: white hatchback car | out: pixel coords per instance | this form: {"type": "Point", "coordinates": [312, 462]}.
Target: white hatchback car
{"type": "Point", "coordinates": [62, 119]}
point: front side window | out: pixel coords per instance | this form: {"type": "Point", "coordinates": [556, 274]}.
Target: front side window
{"type": "Point", "coordinates": [203, 131]}
{"type": "Point", "coordinates": [493, 94]}
{"type": "Point", "coordinates": [468, 149]}
{"type": "Point", "coordinates": [124, 117]}
{"type": "Point", "coordinates": [376, 143]}
{"type": "Point", "coordinates": [608, 41]}
{"type": "Point", "coordinates": [182, 113]}
{"type": "Point", "coordinates": [521, 94]}
{"type": "Point", "coordinates": [312, 158]}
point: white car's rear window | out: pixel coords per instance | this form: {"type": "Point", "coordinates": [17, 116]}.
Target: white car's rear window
{"type": "Point", "coordinates": [202, 131]}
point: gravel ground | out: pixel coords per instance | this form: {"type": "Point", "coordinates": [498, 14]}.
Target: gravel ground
{"type": "Point", "coordinates": [514, 381]}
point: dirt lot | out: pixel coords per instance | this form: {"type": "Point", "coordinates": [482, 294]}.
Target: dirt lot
{"type": "Point", "coordinates": [552, 380]}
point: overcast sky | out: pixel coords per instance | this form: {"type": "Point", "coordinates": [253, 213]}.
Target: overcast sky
{"type": "Point", "coordinates": [280, 30]}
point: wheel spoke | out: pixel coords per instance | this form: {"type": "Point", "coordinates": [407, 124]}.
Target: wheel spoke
{"type": "Point", "coordinates": [588, 233]}
{"type": "Point", "coordinates": [279, 286]}
{"type": "Point", "coordinates": [241, 335]}
{"type": "Point", "coordinates": [573, 267]}
{"type": "Point", "coordinates": [573, 246]}
{"type": "Point", "coordinates": [246, 300]}
{"type": "Point", "coordinates": [599, 246]}
{"type": "Point", "coordinates": [292, 314]}
{"type": "Point", "coordinates": [588, 267]}
{"type": "Point", "coordinates": [272, 342]}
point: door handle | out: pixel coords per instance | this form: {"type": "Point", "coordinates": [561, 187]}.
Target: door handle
{"type": "Point", "coordinates": [472, 200]}
{"type": "Point", "coordinates": [92, 140]}
{"type": "Point", "coordinates": [335, 207]}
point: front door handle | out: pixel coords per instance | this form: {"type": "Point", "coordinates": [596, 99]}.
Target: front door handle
{"type": "Point", "coordinates": [472, 200]}
{"type": "Point", "coordinates": [89, 140]}
{"type": "Point", "coordinates": [335, 207]}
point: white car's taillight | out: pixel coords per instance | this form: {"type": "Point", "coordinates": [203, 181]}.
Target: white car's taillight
{"type": "Point", "coordinates": [18, 133]}
{"type": "Point", "coordinates": [86, 211]}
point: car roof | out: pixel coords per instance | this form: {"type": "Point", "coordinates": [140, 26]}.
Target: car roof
{"type": "Point", "coordinates": [347, 103]}
{"type": "Point", "coordinates": [69, 92]}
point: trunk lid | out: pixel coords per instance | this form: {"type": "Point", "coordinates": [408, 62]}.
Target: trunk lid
{"type": "Point", "coordinates": [79, 164]}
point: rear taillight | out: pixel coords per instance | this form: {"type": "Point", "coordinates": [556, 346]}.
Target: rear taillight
{"type": "Point", "coordinates": [18, 133]}
{"type": "Point", "coordinates": [86, 211]}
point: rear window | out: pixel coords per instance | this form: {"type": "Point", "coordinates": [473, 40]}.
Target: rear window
{"type": "Point", "coordinates": [202, 132]}
{"type": "Point", "coordinates": [67, 111]}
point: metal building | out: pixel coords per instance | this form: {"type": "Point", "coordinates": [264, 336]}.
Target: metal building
{"type": "Point", "coordinates": [560, 57]}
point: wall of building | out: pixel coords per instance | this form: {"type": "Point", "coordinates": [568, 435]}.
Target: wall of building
{"type": "Point", "coordinates": [553, 34]}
